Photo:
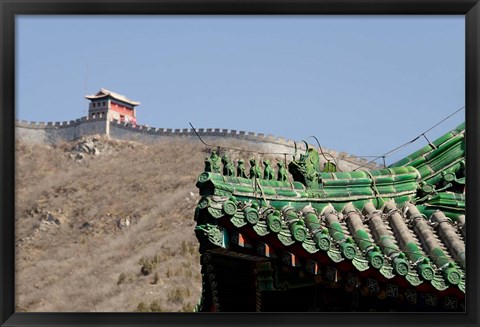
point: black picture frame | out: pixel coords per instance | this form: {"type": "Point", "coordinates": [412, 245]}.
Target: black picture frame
{"type": "Point", "coordinates": [11, 8]}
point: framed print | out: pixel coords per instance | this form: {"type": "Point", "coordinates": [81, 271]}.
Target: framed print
{"type": "Point", "coordinates": [274, 162]}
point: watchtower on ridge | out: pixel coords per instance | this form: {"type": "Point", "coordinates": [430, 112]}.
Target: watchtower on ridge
{"type": "Point", "coordinates": [114, 105]}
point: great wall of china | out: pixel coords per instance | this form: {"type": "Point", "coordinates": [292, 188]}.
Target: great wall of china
{"type": "Point", "coordinates": [55, 132]}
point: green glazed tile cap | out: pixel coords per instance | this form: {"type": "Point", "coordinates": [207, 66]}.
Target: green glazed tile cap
{"type": "Point", "coordinates": [298, 232]}
{"type": "Point", "coordinates": [203, 203]}
{"type": "Point", "coordinates": [427, 188]}
{"type": "Point", "coordinates": [425, 271]}
{"type": "Point", "coordinates": [203, 177]}
{"type": "Point", "coordinates": [229, 207]}
{"type": "Point", "coordinates": [400, 266]}
{"type": "Point", "coordinates": [274, 223]}
{"type": "Point", "coordinates": [322, 240]}
{"type": "Point", "coordinates": [449, 177]}
{"type": "Point", "coordinates": [452, 275]}
{"type": "Point", "coordinates": [375, 258]}
{"type": "Point", "coordinates": [348, 250]}
{"type": "Point", "coordinates": [251, 215]}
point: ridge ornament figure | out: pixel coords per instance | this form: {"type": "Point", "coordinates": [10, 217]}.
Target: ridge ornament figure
{"type": "Point", "coordinates": [255, 171]}
{"type": "Point", "coordinates": [241, 169]}
{"type": "Point", "coordinates": [282, 174]}
{"type": "Point", "coordinates": [268, 172]}
{"type": "Point", "coordinates": [228, 168]}
{"type": "Point", "coordinates": [214, 161]}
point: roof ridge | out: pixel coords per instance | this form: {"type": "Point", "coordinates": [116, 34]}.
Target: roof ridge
{"type": "Point", "coordinates": [118, 96]}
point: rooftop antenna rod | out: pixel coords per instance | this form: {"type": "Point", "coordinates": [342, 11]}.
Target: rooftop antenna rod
{"type": "Point", "coordinates": [323, 154]}
{"type": "Point", "coordinates": [237, 149]}
{"type": "Point", "coordinates": [85, 87]}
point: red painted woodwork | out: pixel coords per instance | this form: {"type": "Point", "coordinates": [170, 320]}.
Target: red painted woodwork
{"type": "Point", "coordinates": [122, 109]}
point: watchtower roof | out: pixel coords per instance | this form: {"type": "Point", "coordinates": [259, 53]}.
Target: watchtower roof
{"type": "Point", "coordinates": [103, 93]}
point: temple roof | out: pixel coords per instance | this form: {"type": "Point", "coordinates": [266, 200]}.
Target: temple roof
{"type": "Point", "coordinates": [406, 222]}
{"type": "Point", "coordinates": [103, 93]}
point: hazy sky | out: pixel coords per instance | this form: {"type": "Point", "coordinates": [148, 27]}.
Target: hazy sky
{"type": "Point", "coordinates": [363, 85]}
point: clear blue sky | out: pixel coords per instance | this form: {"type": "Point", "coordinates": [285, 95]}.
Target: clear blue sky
{"type": "Point", "coordinates": [363, 85]}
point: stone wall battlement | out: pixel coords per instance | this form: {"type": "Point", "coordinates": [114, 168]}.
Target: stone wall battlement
{"type": "Point", "coordinates": [237, 135]}
{"type": "Point", "coordinates": [54, 132]}
{"type": "Point", "coordinates": [62, 124]}
{"type": "Point", "coordinates": [216, 132]}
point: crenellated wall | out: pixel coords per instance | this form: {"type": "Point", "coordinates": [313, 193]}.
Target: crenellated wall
{"type": "Point", "coordinates": [55, 132]}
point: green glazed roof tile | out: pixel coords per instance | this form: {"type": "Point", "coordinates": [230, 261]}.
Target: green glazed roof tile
{"type": "Point", "coordinates": [402, 221]}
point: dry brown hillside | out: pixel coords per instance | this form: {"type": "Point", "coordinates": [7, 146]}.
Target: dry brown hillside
{"type": "Point", "coordinates": [107, 225]}
{"type": "Point", "coordinates": [90, 214]}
